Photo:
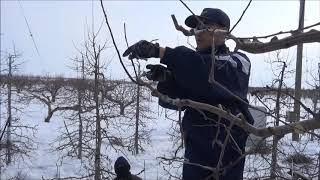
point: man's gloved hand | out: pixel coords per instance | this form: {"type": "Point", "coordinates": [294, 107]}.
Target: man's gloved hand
{"type": "Point", "coordinates": [142, 50]}
{"type": "Point", "coordinates": [157, 72]}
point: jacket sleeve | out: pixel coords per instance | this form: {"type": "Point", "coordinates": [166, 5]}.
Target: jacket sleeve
{"type": "Point", "coordinates": [171, 89]}
{"type": "Point", "coordinates": [191, 72]}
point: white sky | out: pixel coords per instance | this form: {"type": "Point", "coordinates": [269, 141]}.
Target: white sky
{"type": "Point", "coordinates": [59, 26]}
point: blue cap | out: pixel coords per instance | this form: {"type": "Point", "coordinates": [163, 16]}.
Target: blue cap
{"type": "Point", "coordinates": [209, 16]}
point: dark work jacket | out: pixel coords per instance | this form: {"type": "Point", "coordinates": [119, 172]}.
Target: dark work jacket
{"type": "Point", "coordinates": [131, 177]}
{"type": "Point", "coordinates": [190, 72]}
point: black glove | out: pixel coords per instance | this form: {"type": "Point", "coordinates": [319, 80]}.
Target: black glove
{"type": "Point", "coordinates": [142, 50]}
{"type": "Point", "coordinates": [157, 72]}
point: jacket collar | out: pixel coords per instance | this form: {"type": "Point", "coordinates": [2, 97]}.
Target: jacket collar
{"type": "Point", "coordinates": [221, 49]}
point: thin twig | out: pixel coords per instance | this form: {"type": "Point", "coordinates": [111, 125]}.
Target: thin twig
{"type": "Point", "coordinates": [185, 5]}
{"type": "Point", "coordinates": [114, 43]}
{"type": "Point", "coordinates": [125, 37]}
{"type": "Point", "coordinates": [286, 92]}
{"type": "Point", "coordinates": [198, 19]}
{"type": "Point", "coordinates": [4, 129]}
{"type": "Point", "coordinates": [125, 34]}
{"type": "Point", "coordinates": [241, 16]}
{"type": "Point", "coordinates": [213, 62]}
{"type": "Point", "coordinates": [279, 33]}
{"type": "Point", "coordinates": [70, 138]}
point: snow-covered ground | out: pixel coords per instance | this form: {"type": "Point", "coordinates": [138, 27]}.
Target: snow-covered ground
{"type": "Point", "coordinates": [44, 162]}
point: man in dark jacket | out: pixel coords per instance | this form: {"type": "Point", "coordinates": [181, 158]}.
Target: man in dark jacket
{"type": "Point", "coordinates": [122, 169]}
{"type": "Point", "coordinates": [186, 77]}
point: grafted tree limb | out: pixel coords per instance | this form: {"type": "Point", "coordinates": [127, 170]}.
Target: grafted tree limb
{"type": "Point", "coordinates": [256, 47]}
{"type": "Point", "coordinates": [303, 126]}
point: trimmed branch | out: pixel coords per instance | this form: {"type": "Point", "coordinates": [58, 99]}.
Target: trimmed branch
{"type": "Point", "coordinates": [181, 28]}
{"type": "Point", "coordinates": [257, 47]}
{"type": "Point", "coordinates": [302, 126]}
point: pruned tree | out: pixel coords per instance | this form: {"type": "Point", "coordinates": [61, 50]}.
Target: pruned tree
{"type": "Point", "coordinates": [16, 136]}
{"type": "Point", "coordinates": [103, 107]}
{"type": "Point", "coordinates": [83, 135]}
{"type": "Point", "coordinates": [51, 93]}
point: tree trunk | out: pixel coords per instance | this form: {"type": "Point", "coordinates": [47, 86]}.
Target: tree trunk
{"type": "Point", "coordinates": [97, 162]}
{"type": "Point", "coordinates": [315, 102]}
{"type": "Point", "coordinates": [297, 91]}
{"type": "Point", "coordinates": [136, 134]}
{"type": "Point", "coordinates": [276, 139]}
{"type": "Point", "coordinates": [80, 124]}
{"type": "Point", "coordinates": [80, 96]}
{"type": "Point", "coordinates": [8, 156]}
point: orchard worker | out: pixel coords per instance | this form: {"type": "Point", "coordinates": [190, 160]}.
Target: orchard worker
{"type": "Point", "coordinates": [186, 77]}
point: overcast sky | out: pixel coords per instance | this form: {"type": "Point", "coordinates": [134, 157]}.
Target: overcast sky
{"type": "Point", "coordinates": [59, 26]}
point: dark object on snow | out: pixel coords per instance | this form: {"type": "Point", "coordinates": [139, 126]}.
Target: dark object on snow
{"type": "Point", "coordinates": [209, 16]}
{"type": "Point", "coordinates": [122, 169]}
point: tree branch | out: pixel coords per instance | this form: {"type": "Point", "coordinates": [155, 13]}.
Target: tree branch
{"type": "Point", "coordinates": [257, 47]}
